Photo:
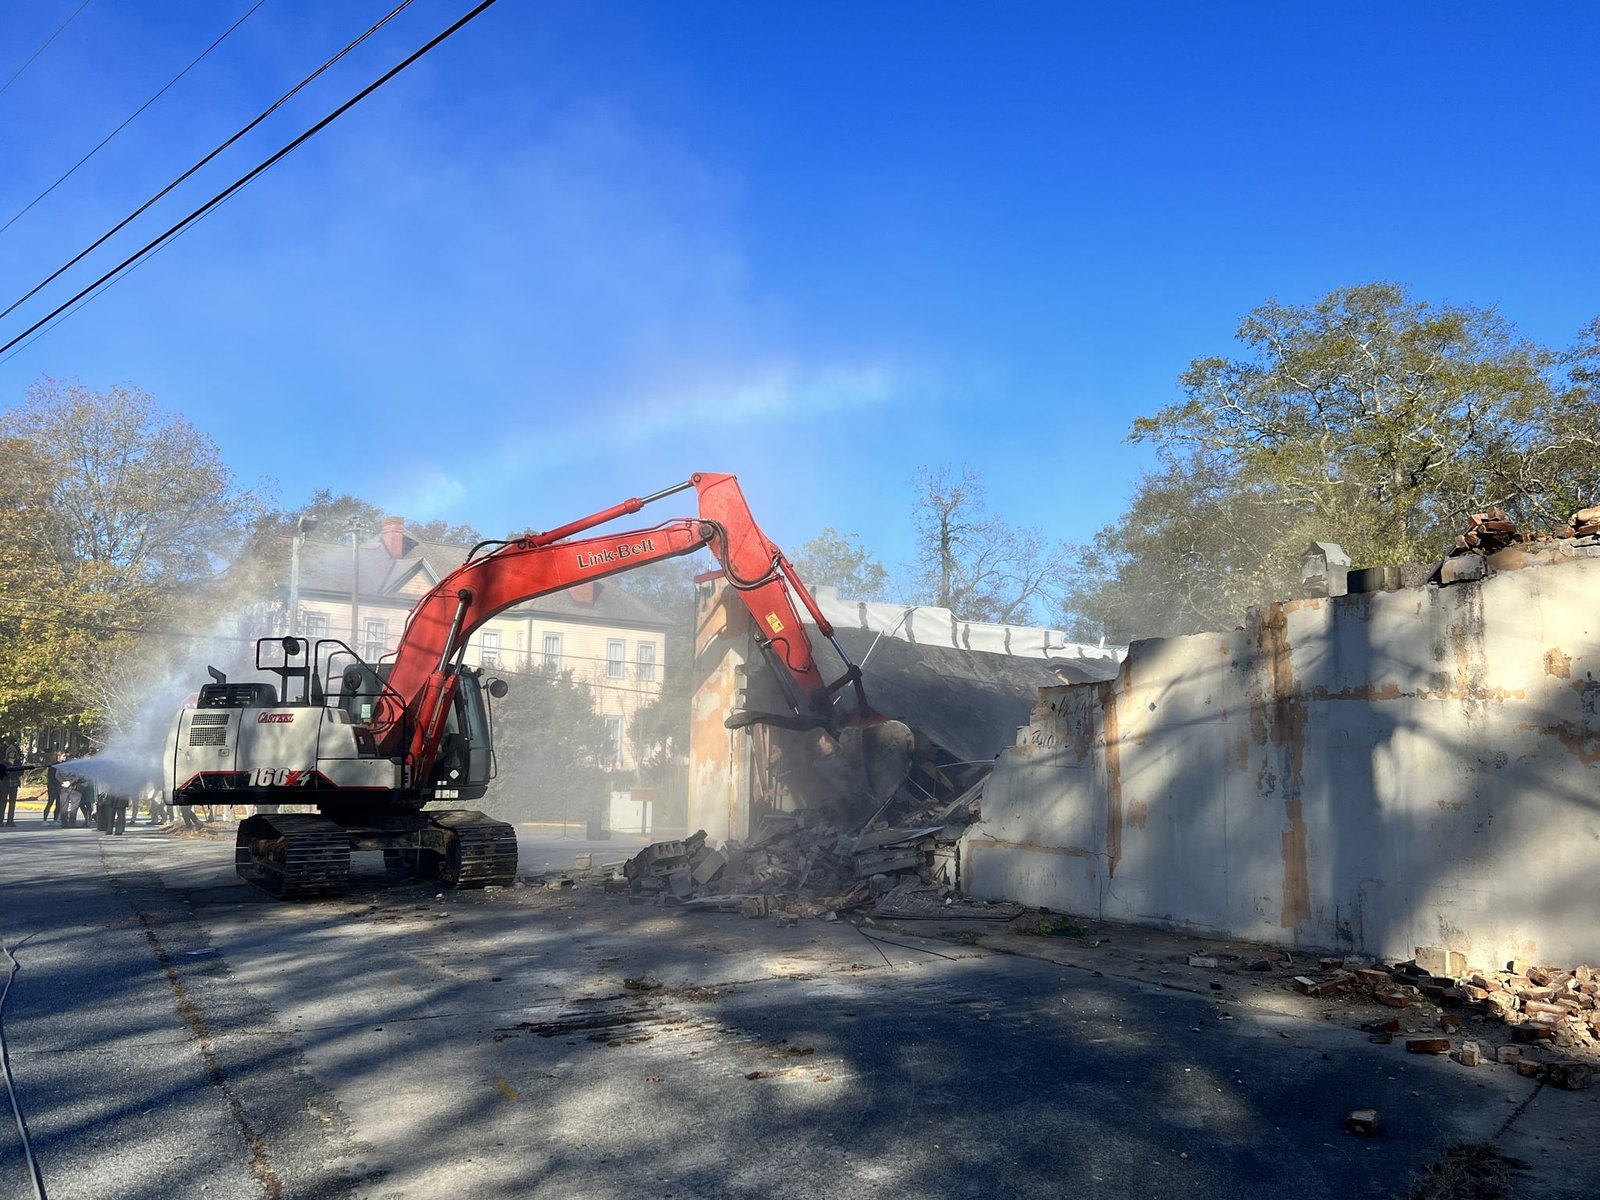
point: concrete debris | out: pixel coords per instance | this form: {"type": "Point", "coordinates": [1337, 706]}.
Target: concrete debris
{"type": "Point", "coordinates": [1436, 960]}
{"type": "Point", "coordinates": [808, 863]}
{"type": "Point", "coordinates": [1363, 1122]}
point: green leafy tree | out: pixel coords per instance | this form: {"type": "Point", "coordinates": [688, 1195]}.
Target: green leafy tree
{"type": "Point", "coordinates": [974, 562]}
{"type": "Point", "coordinates": [117, 511]}
{"type": "Point", "coordinates": [839, 560]}
{"type": "Point", "coordinates": [1367, 418]}
{"type": "Point", "coordinates": [550, 748]}
{"type": "Point", "coordinates": [442, 531]}
{"type": "Point", "coordinates": [658, 732]}
{"type": "Point", "coordinates": [1187, 555]}
{"type": "Point", "coordinates": [1386, 419]}
{"type": "Point", "coordinates": [325, 515]}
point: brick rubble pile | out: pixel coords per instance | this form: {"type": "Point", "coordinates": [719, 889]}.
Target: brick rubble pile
{"type": "Point", "coordinates": [1493, 529]}
{"type": "Point", "coordinates": [1552, 1014]}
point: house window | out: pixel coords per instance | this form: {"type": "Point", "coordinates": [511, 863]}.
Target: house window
{"type": "Point", "coordinates": [375, 643]}
{"type": "Point", "coordinates": [613, 741]}
{"type": "Point", "coordinates": [552, 650]}
{"type": "Point", "coordinates": [647, 662]}
{"type": "Point", "coordinates": [616, 650]}
{"type": "Point", "coordinates": [489, 652]}
{"type": "Point", "coordinates": [316, 625]}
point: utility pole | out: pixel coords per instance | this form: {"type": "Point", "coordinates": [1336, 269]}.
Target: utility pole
{"type": "Point", "coordinates": [355, 586]}
{"type": "Point", "coordinates": [302, 526]}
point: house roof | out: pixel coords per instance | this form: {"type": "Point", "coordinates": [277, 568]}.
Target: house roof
{"type": "Point", "coordinates": [325, 568]}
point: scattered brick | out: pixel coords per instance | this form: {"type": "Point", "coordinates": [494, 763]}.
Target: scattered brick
{"type": "Point", "coordinates": [1323, 987]}
{"type": "Point", "coordinates": [1504, 1004]}
{"type": "Point", "coordinates": [1363, 1122]}
{"type": "Point", "coordinates": [1542, 1007]}
{"type": "Point", "coordinates": [1436, 960]}
{"type": "Point", "coordinates": [1533, 1031]}
{"type": "Point", "coordinates": [1569, 1075]}
{"type": "Point", "coordinates": [1428, 1045]}
{"type": "Point", "coordinates": [1471, 1054]}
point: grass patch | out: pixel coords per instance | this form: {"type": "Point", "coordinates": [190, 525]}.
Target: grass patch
{"type": "Point", "coordinates": [1474, 1171]}
{"type": "Point", "coordinates": [1055, 925]}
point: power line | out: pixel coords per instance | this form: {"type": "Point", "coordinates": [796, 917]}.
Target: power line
{"type": "Point", "coordinates": [44, 47]}
{"type": "Point", "coordinates": [143, 208]}
{"type": "Point", "coordinates": [130, 119]}
{"type": "Point", "coordinates": [88, 300]}
{"type": "Point", "coordinates": [253, 172]}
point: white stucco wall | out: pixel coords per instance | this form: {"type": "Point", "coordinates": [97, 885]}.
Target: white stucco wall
{"type": "Point", "coordinates": [1372, 773]}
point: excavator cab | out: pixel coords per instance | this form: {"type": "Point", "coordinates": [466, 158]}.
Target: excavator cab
{"type": "Point", "coordinates": [465, 762]}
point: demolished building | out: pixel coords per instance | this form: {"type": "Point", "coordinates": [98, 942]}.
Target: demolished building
{"type": "Point", "coordinates": [1407, 759]}
{"type": "Point", "coordinates": [772, 795]}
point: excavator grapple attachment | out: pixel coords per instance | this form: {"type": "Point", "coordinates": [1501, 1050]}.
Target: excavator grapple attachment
{"type": "Point", "coordinates": [880, 756]}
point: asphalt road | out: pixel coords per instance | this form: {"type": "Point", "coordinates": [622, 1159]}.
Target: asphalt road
{"type": "Point", "coordinates": [176, 1034]}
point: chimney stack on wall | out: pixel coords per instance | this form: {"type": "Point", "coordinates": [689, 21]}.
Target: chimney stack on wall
{"type": "Point", "coordinates": [394, 536]}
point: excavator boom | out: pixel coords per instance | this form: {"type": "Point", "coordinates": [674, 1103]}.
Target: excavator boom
{"type": "Point", "coordinates": [420, 679]}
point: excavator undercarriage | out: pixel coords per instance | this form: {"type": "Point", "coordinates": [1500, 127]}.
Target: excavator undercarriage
{"type": "Point", "coordinates": [306, 855]}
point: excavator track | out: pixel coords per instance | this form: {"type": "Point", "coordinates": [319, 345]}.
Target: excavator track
{"type": "Point", "coordinates": [479, 852]}
{"type": "Point", "coordinates": [293, 856]}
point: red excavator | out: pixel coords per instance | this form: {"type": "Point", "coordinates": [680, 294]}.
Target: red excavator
{"type": "Point", "coordinates": [371, 744]}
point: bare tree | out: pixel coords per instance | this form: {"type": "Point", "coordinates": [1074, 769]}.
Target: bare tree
{"type": "Point", "coordinates": [971, 560]}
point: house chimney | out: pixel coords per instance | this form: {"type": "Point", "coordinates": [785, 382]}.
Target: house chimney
{"type": "Point", "coordinates": [582, 593]}
{"type": "Point", "coordinates": [394, 536]}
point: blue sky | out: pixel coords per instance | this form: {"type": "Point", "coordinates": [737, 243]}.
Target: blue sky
{"type": "Point", "coordinates": [585, 249]}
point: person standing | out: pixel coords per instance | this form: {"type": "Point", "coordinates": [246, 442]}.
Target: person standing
{"type": "Point", "coordinates": [67, 815]}
{"type": "Point", "coordinates": [116, 819]}
{"type": "Point", "coordinates": [88, 801]}
{"type": "Point", "coordinates": [52, 792]}
{"type": "Point", "coordinates": [155, 804]}
{"type": "Point", "coordinates": [10, 778]}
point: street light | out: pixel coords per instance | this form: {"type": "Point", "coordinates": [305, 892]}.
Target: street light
{"type": "Point", "coordinates": [302, 526]}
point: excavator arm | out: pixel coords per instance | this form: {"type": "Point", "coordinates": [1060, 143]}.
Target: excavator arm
{"type": "Point", "coordinates": [421, 682]}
